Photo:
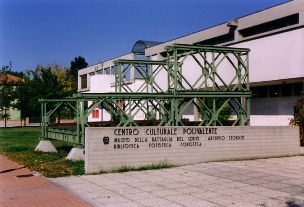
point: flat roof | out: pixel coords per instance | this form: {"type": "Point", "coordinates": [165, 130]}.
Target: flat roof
{"type": "Point", "coordinates": [240, 23]}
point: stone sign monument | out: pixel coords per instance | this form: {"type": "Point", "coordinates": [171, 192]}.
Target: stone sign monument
{"type": "Point", "coordinates": [109, 148]}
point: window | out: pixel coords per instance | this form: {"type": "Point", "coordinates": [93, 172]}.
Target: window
{"type": "Point", "coordinates": [107, 70]}
{"type": "Point", "coordinates": [298, 88]}
{"type": "Point", "coordinates": [274, 91]}
{"type": "Point", "coordinates": [218, 40]}
{"type": "Point", "coordinates": [84, 81]}
{"type": "Point", "coordinates": [112, 70]}
{"type": "Point", "coordinates": [254, 92]}
{"type": "Point", "coordinates": [286, 90]}
{"type": "Point", "coordinates": [262, 92]}
{"type": "Point", "coordinates": [95, 113]}
{"type": "Point", "coordinates": [282, 90]}
{"type": "Point", "coordinates": [271, 25]}
{"type": "Point", "coordinates": [99, 71]}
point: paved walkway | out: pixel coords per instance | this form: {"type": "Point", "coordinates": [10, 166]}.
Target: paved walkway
{"type": "Point", "coordinates": [265, 182]}
{"type": "Point", "coordinates": [19, 188]}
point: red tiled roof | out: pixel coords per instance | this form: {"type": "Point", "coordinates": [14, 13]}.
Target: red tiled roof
{"type": "Point", "coordinates": [9, 78]}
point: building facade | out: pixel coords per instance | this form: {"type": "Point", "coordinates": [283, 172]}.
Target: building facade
{"type": "Point", "coordinates": [275, 37]}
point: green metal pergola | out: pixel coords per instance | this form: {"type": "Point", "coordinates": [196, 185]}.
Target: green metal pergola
{"type": "Point", "coordinates": [209, 93]}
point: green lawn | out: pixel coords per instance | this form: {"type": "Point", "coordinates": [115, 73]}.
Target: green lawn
{"type": "Point", "coordinates": [18, 144]}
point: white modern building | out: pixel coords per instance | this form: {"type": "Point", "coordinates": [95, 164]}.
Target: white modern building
{"type": "Point", "coordinates": [275, 37]}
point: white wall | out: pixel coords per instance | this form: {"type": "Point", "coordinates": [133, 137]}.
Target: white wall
{"type": "Point", "coordinates": [276, 57]}
{"type": "Point", "coordinates": [101, 83]}
{"type": "Point", "coordinates": [270, 120]}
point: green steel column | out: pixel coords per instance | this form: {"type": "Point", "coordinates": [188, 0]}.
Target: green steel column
{"type": "Point", "coordinates": [214, 111]}
{"type": "Point", "coordinates": [115, 73]}
{"type": "Point", "coordinates": [206, 70]}
{"type": "Point", "coordinates": [83, 121]}
{"type": "Point", "coordinates": [175, 100]}
{"type": "Point", "coordinates": [239, 72]}
{"type": "Point", "coordinates": [45, 121]}
{"type": "Point", "coordinates": [42, 120]}
{"type": "Point", "coordinates": [78, 120]}
{"type": "Point", "coordinates": [247, 88]}
{"type": "Point", "coordinates": [248, 111]}
{"type": "Point", "coordinates": [213, 70]}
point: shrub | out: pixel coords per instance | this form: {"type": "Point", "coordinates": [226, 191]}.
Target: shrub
{"type": "Point", "coordinates": [298, 117]}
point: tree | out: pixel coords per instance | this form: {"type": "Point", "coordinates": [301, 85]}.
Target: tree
{"type": "Point", "coordinates": [207, 107]}
{"type": "Point", "coordinates": [6, 93]}
{"type": "Point", "coordinates": [46, 82]}
{"type": "Point", "coordinates": [298, 116]}
{"type": "Point", "coordinates": [77, 64]}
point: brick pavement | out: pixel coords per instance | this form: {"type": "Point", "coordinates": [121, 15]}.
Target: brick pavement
{"type": "Point", "coordinates": [18, 189]}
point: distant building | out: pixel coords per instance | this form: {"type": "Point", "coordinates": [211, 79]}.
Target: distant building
{"type": "Point", "coordinates": [276, 39]}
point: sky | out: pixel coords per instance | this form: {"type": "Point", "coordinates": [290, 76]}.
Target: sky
{"type": "Point", "coordinates": [44, 32]}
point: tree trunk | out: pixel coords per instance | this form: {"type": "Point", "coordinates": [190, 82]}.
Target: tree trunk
{"type": "Point", "coordinates": [5, 117]}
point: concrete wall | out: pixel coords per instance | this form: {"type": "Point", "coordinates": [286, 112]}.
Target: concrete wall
{"type": "Point", "coordinates": [270, 120]}
{"type": "Point", "coordinates": [269, 59]}
{"type": "Point", "coordinates": [101, 83]}
{"type": "Point", "coordinates": [108, 148]}
{"type": "Point", "coordinates": [276, 57]}
{"type": "Point", "coordinates": [90, 71]}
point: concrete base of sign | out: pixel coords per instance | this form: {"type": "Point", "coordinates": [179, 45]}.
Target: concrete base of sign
{"type": "Point", "coordinates": [45, 146]}
{"type": "Point", "coordinates": [302, 150]}
{"type": "Point", "coordinates": [76, 154]}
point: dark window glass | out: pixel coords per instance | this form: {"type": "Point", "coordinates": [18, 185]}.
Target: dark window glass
{"type": "Point", "coordinates": [218, 40]}
{"type": "Point", "coordinates": [286, 90]}
{"type": "Point", "coordinates": [107, 71]}
{"type": "Point", "coordinates": [262, 92]}
{"type": "Point", "coordinates": [84, 82]}
{"type": "Point", "coordinates": [272, 25]}
{"type": "Point", "coordinates": [298, 88]}
{"type": "Point", "coordinates": [274, 91]}
{"type": "Point", "coordinates": [254, 92]}
{"type": "Point", "coordinates": [99, 71]}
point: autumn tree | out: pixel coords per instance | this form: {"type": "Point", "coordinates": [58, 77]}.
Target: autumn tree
{"type": "Point", "coordinates": [48, 82]}
{"type": "Point", "coordinates": [6, 93]}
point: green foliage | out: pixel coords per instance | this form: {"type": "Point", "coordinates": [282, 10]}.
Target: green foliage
{"type": "Point", "coordinates": [298, 116]}
{"type": "Point", "coordinates": [44, 82]}
{"type": "Point", "coordinates": [7, 93]}
{"type": "Point", "coordinates": [77, 64]}
{"type": "Point", "coordinates": [19, 144]}
{"type": "Point", "coordinates": [206, 109]}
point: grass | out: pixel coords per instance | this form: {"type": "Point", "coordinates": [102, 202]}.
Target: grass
{"type": "Point", "coordinates": [18, 144]}
{"type": "Point", "coordinates": [156, 166]}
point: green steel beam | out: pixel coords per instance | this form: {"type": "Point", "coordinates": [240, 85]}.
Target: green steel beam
{"type": "Point", "coordinates": [139, 62]}
{"type": "Point", "coordinates": [206, 48]}
{"type": "Point", "coordinates": [168, 95]}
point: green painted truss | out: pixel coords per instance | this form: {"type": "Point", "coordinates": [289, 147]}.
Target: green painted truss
{"type": "Point", "coordinates": [205, 79]}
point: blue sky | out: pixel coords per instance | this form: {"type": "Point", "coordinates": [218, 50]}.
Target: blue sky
{"type": "Point", "coordinates": [36, 32]}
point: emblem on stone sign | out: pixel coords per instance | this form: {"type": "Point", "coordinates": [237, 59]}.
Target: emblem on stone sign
{"type": "Point", "coordinates": [106, 140]}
